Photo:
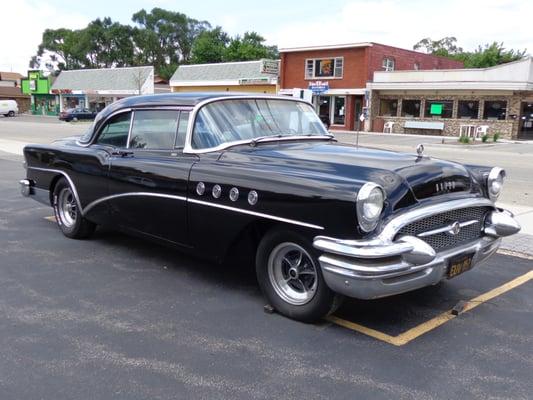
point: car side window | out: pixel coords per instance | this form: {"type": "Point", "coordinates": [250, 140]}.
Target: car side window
{"type": "Point", "coordinates": [115, 131]}
{"type": "Point", "coordinates": [182, 129]}
{"type": "Point", "coordinates": [154, 129]}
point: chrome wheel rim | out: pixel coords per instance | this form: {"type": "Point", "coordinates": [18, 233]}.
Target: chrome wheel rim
{"type": "Point", "coordinates": [292, 273]}
{"type": "Point", "coordinates": [67, 207]}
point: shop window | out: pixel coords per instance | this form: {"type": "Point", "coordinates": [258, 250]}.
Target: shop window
{"type": "Point", "coordinates": [411, 108]}
{"type": "Point", "coordinates": [495, 109]}
{"type": "Point", "coordinates": [468, 109]}
{"type": "Point", "coordinates": [155, 129]}
{"type": "Point", "coordinates": [339, 110]}
{"type": "Point", "coordinates": [388, 108]}
{"type": "Point", "coordinates": [324, 68]}
{"type": "Point", "coordinates": [388, 64]}
{"type": "Point", "coordinates": [439, 108]}
{"type": "Point", "coordinates": [416, 66]}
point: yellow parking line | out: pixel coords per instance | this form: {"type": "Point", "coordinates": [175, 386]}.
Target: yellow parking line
{"type": "Point", "coordinates": [433, 323]}
{"type": "Point", "coordinates": [51, 218]}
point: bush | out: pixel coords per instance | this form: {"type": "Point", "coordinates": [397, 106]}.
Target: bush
{"type": "Point", "coordinates": [464, 139]}
{"type": "Point", "coordinates": [496, 136]}
{"type": "Point", "coordinates": [484, 138]}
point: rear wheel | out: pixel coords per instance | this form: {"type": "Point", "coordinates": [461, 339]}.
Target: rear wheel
{"type": "Point", "coordinates": [11, 114]}
{"type": "Point", "coordinates": [289, 274]}
{"type": "Point", "coordinates": [68, 214]}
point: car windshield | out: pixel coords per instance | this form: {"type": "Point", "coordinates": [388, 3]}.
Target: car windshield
{"type": "Point", "coordinates": [228, 121]}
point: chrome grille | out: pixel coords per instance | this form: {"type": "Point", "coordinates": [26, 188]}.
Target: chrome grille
{"type": "Point", "coordinates": [443, 241]}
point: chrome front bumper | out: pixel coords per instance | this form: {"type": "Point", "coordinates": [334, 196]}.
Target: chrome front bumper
{"type": "Point", "coordinates": [379, 267]}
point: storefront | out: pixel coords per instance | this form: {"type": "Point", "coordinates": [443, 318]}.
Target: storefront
{"type": "Point", "coordinates": [260, 76]}
{"type": "Point", "coordinates": [449, 102]}
{"type": "Point", "coordinates": [97, 88]}
{"type": "Point", "coordinates": [337, 76]}
{"type": "Point", "coordinates": [37, 85]}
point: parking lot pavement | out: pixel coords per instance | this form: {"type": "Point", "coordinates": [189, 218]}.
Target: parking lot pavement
{"type": "Point", "coordinates": [116, 317]}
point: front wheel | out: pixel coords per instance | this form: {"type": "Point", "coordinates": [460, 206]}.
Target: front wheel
{"type": "Point", "coordinates": [289, 274]}
{"type": "Point", "coordinates": [11, 114]}
{"type": "Point", "coordinates": [68, 214]}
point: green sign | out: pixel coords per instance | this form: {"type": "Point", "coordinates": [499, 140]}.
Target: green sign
{"type": "Point", "coordinates": [436, 109]}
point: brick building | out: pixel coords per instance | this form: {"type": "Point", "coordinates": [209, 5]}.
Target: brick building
{"type": "Point", "coordinates": [10, 90]}
{"type": "Point", "coordinates": [338, 75]}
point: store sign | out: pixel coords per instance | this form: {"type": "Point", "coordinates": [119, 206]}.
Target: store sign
{"type": "Point", "coordinates": [61, 91]}
{"type": "Point", "coordinates": [269, 67]}
{"type": "Point", "coordinates": [318, 87]}
{"type": "Point", "coordinates": [254, 81]}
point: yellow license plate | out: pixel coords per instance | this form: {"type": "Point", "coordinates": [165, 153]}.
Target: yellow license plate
{"type": "Point", "coordinates": [459, 265]}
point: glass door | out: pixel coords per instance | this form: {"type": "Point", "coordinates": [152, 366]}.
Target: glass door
{"type": "Point", "coordinates": [526, 118]}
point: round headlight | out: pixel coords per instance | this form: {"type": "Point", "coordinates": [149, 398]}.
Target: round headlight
{"type": "Point", "coordinates": [495, 183]}
{"type": "Point", "coordinates": [370, 199]}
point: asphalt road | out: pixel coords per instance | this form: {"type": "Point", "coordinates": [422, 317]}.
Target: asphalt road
{"type": "Point", "coordinates": [114, 317]}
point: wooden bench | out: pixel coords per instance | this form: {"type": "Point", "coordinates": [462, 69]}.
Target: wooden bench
{"type": "Point", "coordinates": [437, 126]}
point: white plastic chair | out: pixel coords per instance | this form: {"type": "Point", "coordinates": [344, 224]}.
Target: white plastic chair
{"type": "Point", "coordinates": [481, 131]}
{"type": "Point", "coordinates": [387, 128]}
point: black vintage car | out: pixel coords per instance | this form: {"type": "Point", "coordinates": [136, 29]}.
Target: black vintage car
{"type": "Point", "coordinates": [211, 173]}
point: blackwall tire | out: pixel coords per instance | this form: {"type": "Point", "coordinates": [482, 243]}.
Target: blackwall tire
{"type": "Point", "coordinates": [11, 114]}
{"type": "Point", "coordinates": [290, 278]}
{"type": "Point", "coordinates": [67, 212]}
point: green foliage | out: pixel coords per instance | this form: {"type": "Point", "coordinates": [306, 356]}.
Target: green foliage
{"type": "Point", "coordinates": [464, 139]}
{"type": "Point", "coordinates": [496, 136]}
{"type": "Point", "coordinates": [210, 46]}
{"type": "Point", "coordinates": [484, 56]}
{"type": "Point", "coordinates": [484, 138]}
{"type": "Point", "coordinates": [162, 38]}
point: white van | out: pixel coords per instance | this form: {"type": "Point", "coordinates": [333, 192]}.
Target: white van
{"type": "Point", "coordinates": [9, 108]}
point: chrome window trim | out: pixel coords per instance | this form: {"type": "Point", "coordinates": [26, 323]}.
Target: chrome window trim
{"type": "Point", "coordinates": [132, 116]}
{"type": "Point", "coordinates": [128, 109]}
{"type": "Point", "coordinates": [192, 119]}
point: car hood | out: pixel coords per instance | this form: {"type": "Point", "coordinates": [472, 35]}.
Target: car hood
{"type": "Point", "coordinates": [424, 176]}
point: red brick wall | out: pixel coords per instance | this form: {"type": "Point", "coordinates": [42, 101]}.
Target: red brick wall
{"type": "Point", "coordinates": [354, 75]}
{"type": "Point", "coordinates": [360, 63]}
{"type": "Point", "coordinates": [406, 59]}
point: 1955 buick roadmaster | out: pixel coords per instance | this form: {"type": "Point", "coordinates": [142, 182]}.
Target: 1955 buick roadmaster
{"type": "Point", "coordinates": [209, 173]}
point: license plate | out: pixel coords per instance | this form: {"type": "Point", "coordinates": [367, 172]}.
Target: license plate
{"type": "Point", "coordinates": [459, 264]}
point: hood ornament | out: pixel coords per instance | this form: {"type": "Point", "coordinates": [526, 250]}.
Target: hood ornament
{"type": "Point", "coordinates": [420, 150]}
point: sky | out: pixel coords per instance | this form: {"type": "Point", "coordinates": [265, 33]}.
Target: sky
{"type": "Point", "coordinates": [287, 23]}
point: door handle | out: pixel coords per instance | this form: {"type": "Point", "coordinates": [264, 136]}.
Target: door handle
{"type": "Point", "coordinates": [122, 153]}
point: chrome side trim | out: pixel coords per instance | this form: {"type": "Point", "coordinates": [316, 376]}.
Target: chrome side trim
{"type": "Point", "coordinates": [67, 177]}
{"type": "Point", "coordinates": [192, 118]}
{"type": "Point", "coordinates": [447, 228]}
{"type": "Point", "coordinates": [84, 210]}
{"type": "Point", "coordinates": [256, 214]}
{"type": "Point", "coordinates": [131, 194]}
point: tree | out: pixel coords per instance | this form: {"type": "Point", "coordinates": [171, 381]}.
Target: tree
{"type": "Point", "coordinates": [484, 56]}
{"type": "Point", "coordinates": [167, 36]}
{"type": "Point", "coordinates": [210, 46]}
{"type": "Point", "coordinates": [249, 47]}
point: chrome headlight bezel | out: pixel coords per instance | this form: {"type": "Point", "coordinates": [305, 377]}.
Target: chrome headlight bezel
{"type": "Point", "coordinates": [368, 193]}
{"type": "Point", "coordinates": [495, 183]}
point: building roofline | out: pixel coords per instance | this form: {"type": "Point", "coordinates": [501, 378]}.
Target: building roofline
{"type": "Point", "coordinates": [326, 47]}
{"type": "Point", "coordinates": [226, 63]}
{"type": "Point", "coordinates": [104, 69]}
